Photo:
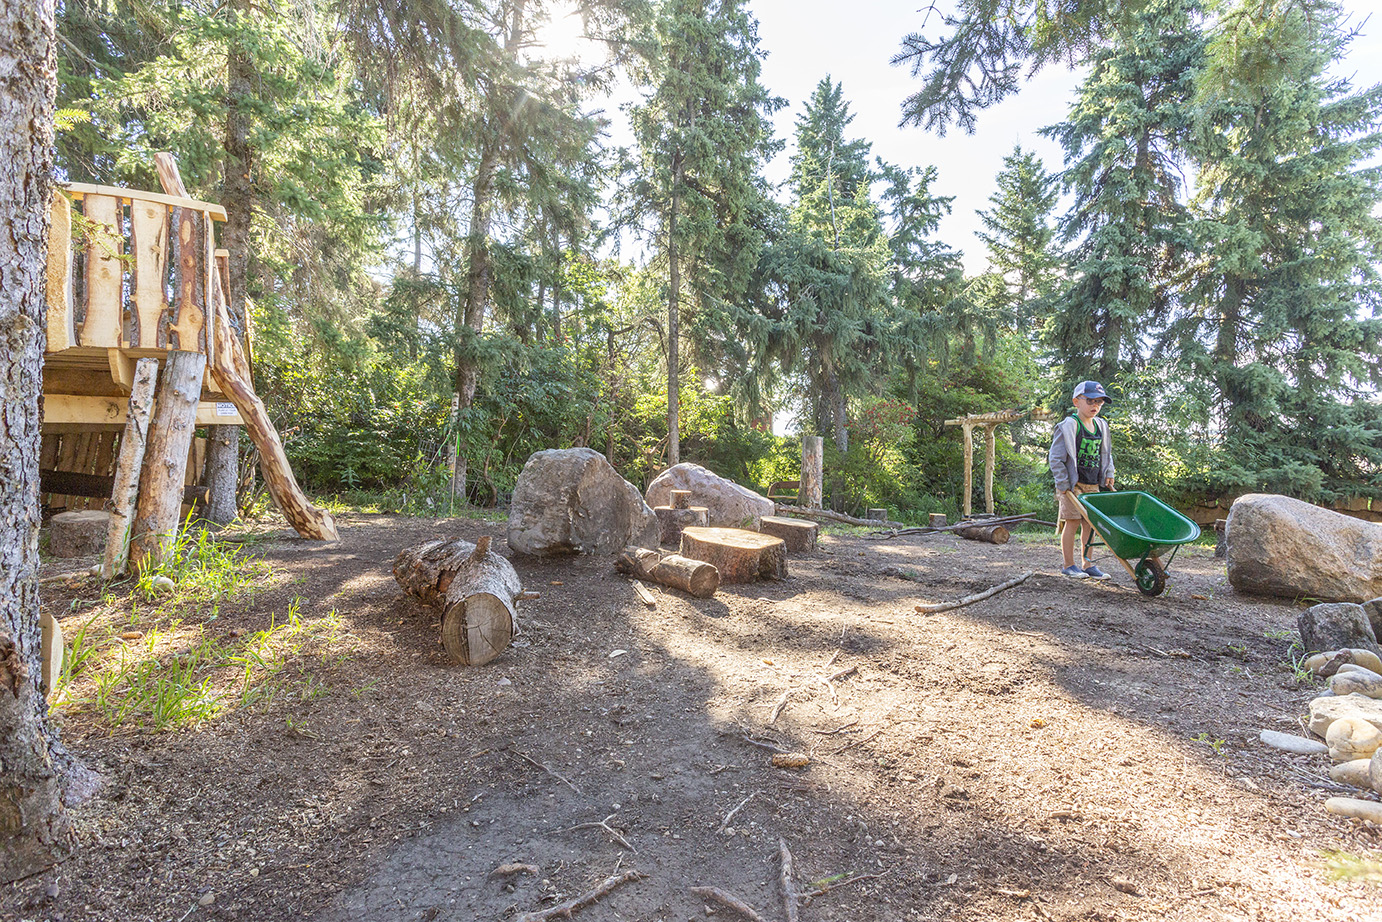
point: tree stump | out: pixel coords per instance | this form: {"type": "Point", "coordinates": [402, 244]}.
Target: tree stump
{"type": "Point", "coordinates": [681, 499]}
{"type": "Point", "coordinates": [475, 588]}
{"type": "Point", "coordinates": [878, 515]}
{"type": "Point", "coordinates": [78, 534]}
{"type": "Point", "coordinates": [795, 534]}
{"type": "Point", "coordinates": [671, 520]}
{"type": "Point", "coordinates": [936, 520]}
{"type": "Point", "coordinates": [740, 556]}
{"type": "Point", "coordinates": [694, 576]}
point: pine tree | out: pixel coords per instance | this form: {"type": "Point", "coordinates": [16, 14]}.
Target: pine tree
{"type": "Point", "coordinates": [1122, 143]}
{"type": "Point", "coordinates": [703, 135]}
{"type": "Point", "coordinates": [1282, 323]}
{"type": "Point", "coordinates": [1020, 237]}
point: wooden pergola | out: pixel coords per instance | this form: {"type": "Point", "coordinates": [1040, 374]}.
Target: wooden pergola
{"type": "Point", "coordinates": [988, 422]}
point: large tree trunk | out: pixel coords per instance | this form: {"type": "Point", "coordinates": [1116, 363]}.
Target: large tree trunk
{"type": "Point", "coordinates": [221, 472]}
{"type": "Point", "coordinates": [161, 482]}
{"type": "Point", "coordinates": [34, 831]}
{"type": "Point", "coordinates": [673, 322]}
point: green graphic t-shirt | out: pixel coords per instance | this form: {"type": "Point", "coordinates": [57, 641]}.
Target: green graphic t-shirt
{"type": "Point", "coordinates": [1087, 445]}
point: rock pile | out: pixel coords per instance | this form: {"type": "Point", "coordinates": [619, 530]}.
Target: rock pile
{"type": "Point", "coordinates": [1349, 720]}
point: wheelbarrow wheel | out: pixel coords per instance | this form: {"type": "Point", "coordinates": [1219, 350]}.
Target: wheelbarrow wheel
{"type": "Point", "coordinates": [1151, 577]}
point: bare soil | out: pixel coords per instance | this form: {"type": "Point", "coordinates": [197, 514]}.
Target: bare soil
{"type": "Point", "coordinates": [1063, 750]}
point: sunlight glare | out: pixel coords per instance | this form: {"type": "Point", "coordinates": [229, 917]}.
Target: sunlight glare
{"type": "Point", "coordinates": [562, 37]}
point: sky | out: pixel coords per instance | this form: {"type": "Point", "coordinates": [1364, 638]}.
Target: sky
{"type": "Point", "coordinates": [853, 42]}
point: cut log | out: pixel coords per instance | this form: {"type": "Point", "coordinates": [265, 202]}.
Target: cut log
{"type": "Point", "coordinates": [230, 370]}
{"type": "Point", "coordinates": [993, 534]}
{"type": "Point", "coordinates": [877, 515]}
{"type": "Point", "coordinates": [936, 520]}
{"type": "Point", "coordinates": [165, 459]}
{"type": "Point", "coordinates": [681, 499]}
{"type": "Point", "coordinates": [796, 534]}
{"type": "Point", "coordinates": [812, 471]}
{"type": "Point", "coordinates": [78, 534]}
{"type": "Point", "coordinates": [740, 556]}
{"type": "Point", "coordinates": [671, 521]}
{"type": "Point", "coordinates": [696, 577]}
{"type": "Point", "coordinates": [476, 589]}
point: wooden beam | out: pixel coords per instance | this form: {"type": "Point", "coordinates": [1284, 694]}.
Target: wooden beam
{"type": "Point", "coordinates": [149, 246]}
{"type": "Point", "coordinates": [121, 369]}
{"type": "Point", "coordinates": [80, 190]}
{"type": "Point", "coordinates": [65, 409]}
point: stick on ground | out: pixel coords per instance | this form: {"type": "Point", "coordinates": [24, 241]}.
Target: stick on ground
{"type": "Point", "coordinates": [790, 901]}
{"type": "Point", "coordinates": [565, 910]}
{"type": "Point", "coordinates": [604, 824]}
{"type": "Point", "coordinates": [729, 901]}
{"type": "Point", "coordinates": [730, 815]}
{"type": "Point", "coordinates": [971, 599]}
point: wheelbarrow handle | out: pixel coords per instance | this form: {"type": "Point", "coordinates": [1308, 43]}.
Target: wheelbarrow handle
{"type": "Point", "coordinates": [1084, 513]}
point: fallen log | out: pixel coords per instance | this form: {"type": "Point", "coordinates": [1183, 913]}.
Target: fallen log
{"type": "Point", "coordinates": [476, 589]}
{"type": "Point", "coordinates": [993, 534]}
{"type": "Point", "coordinates": [831, 516]}
{"type": "Point", "coordinates": [934, 607]}
{"type": "Point", "coordinates": [741, 556]}
{"type": "Point", "coordinates": [697, 577]}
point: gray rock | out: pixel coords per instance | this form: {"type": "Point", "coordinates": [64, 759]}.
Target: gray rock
{"type": "Point", "coordinates": [571, 500]}
{"type": "Point", "coordinates": [1373, 609]}
{"type": "Point", "coordinates": [1325, 709]}
{"type": "Point", "coordinates": [727, 504]}
{"type": "Point", "coordinates": [1334, 625]}
{"type": "Point", "coordinates": [1289, 742]}
{"type": "Point", "coordinates": [1284, 547]}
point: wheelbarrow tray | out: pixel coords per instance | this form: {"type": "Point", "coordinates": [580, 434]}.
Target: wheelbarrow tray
{"type": "Point", "coordinates": [1137, 525]}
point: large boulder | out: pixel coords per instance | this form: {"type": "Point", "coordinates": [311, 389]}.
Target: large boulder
{"type": "Point", "coordinates": [571, 500]}
{"type": "Point", "coordinates": [1284, 547]}
{"type": "Point", "coordinates": [1373, 609]}
{"type": "Point", "coordinates": [1334, 626]}
{"type": "Point", "coordinates": [727, 504]}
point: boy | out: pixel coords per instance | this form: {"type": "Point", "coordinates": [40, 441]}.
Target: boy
{"type": "Point", "coordinates": [1081, 460]}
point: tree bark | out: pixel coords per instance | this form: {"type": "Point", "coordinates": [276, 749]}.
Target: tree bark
{"type": "Point", "coordinates": [125, 489]}
{"type": "Point", "coordinates": [221, 472]}
{"type": "Point", "coordinates": [812, 471]}
{"type": "Point", "coordinates": [34, 831]}
{"type": "Point", "coordinates": [165, 459]}
{"type": "Point", "coordinates": [992, 534]}
{"type": "Point", "coordinates": [475, 588]}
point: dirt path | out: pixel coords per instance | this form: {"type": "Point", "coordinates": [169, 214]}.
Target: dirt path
{"type": "Point", "coordinates": [1060, 751]}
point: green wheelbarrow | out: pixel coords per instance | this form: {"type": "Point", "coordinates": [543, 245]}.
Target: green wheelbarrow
{"type": "Point", "coordinates": [1137, 526]}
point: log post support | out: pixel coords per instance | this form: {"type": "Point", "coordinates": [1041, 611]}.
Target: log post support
{"type": "Point", "coordinates": [812, 471]}
{"type": "Point", "coordinates": [989, 459]}
{"type": "Point", "coordinates": [125, 490]}
{"type": "Point", "coordinates": [165, 459]}
{"type": "Point", "coordinates": [967, 430]}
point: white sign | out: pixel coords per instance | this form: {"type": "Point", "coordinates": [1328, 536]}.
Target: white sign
{"type": "Point", "coordinates": [226, 409]}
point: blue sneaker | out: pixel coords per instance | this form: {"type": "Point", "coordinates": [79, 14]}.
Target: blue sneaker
{"type": "Point", "coordinates": [1074, 572]}
{"type": "Point", "coordinates": [1093, 572]}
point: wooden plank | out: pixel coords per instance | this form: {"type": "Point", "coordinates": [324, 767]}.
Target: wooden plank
{"type": "Point", "coordinates": [62, 330]}
{"type": "Point", "coordinates": [80, 190]}
{"type": "Point", "coordinates": [104, 274]}
{"type": "Point", "coordinates": [189, 295]}
{"type": "Point", "coordinates": [149, 246]}
{"type": "Point", "coordinates": [68, 409]}
{"type": "Point", "coordinates": [121, 370]}
{"type": "Point", "coordinates": [209, 285]}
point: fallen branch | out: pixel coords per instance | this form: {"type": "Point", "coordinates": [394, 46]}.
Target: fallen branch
{"type": "Point", "coordinates": [839, 729]}
{"type": "Point", "coordinates": [648, 598]}
{"type": "Point", "coordinates": [768, 746]}
{"type": "Point", "coordinates": [832, 516]}
{"type": "Point", "coordinates": [932, 608]}
{"type": "Point", "coordinates": [604, 824]}
{"type": "Point", "coordinates": [523, 755]}
{"type": "Point", "coordinates": [729, 901]}
{"type": "Point", "coordinates": [777, 708]}
{"type": "Point", "coordinates": [730, 815]}
{"type": "Point", "coordinates": [565, 910]}
{"type": "Point", "coordinates": [791, 903]}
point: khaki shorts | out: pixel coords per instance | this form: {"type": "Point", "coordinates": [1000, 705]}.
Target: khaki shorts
{"type": "Point", "coordinates": [1069, 510]}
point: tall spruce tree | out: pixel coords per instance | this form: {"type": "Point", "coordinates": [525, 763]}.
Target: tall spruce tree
{"type": "Point", "coordinates": [1020, 237]}
{"type": "Point", "coordinates": [1128, 222]}
{"type": "Point", "coordinates": [703, 135]}
{"type": "Point", "coordinates": [1282, 324]}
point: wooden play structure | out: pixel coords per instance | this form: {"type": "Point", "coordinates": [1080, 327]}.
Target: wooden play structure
{"type": "Point", "coordinates": [988, 422]}
{"type": "Point", "coordinates": [141, 352]}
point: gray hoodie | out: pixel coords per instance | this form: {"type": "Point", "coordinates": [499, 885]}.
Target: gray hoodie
{"type": "Point", "coordinates": [1061, 458]}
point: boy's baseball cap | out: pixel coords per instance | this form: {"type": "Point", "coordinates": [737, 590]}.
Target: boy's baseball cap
{"type": "Point", "coordinates": [1091, 390]}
